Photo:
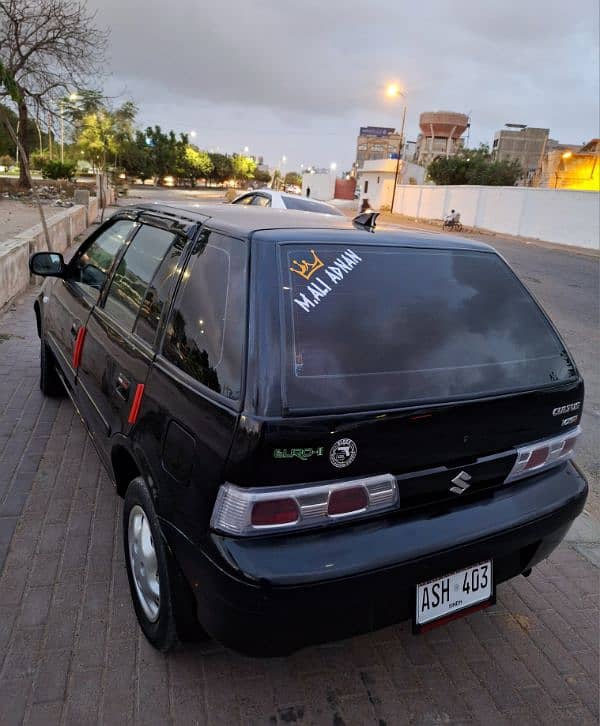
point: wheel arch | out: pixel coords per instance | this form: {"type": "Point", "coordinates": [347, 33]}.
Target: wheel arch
{"type": "Point", "coordinates": [127, 464]}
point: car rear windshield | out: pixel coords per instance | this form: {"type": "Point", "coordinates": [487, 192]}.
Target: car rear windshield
{"type": "Point", "coordinates": [376, 326]}
{"type": "Point", "coordinates": [307, 205]}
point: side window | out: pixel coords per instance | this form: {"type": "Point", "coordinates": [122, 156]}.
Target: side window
{"type": "Point", "coordinates": [205, 334]}
{"type": "Point", "coordinates": [135, 270]}
{"type": "Point", "coordinates": [159, 292]}
{"type": "Point", "coordinates": [91, 265]}
{"type": "Point", "coordinates": [261, 201]}
{"type": "Point", "coordinates": [245, 200]}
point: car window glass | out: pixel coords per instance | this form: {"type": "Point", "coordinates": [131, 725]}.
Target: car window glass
{"type": "Point", "coordinates": [205, 333]}
{"type": "Point", "coordinates": [90, 267]}
{"type": "Point", "coordinates": [135, 270]}
{"type": "Point", "coordinates": [159, 292]}
{"type": "Point", "coordinates": [376, 325]}
{"type": "Point", "coordinates": [307, 205]}
{"type": "Point", "coordinates": [261, 201]}
{"type": "Point", "coordinates": [245, 200]}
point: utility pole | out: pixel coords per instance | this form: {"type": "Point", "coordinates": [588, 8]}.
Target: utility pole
{"type": "Point", "coordinates": [400, 153]}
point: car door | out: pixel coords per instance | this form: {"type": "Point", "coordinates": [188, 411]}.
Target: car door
{"type": "Point", "coordinates": [114, 360]}
{"type": "Point", "coordinates": [67, 307]}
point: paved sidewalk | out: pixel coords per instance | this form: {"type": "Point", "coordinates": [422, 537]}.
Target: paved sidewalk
{"type": "Point", "coordinates": [71, 651]}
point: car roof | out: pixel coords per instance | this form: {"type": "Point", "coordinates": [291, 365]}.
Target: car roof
{"type": "Point", "coordinates": [282, 224]}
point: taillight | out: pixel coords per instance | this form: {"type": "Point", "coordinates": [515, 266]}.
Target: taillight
{"type": "Point", "coordinates": [536, 457]}
{"type": "Point", "coordinates": [345, 501]}
{"type": "Point", "coordinates": [243, 511]}
{"type": "Point", "coordinates": [274, 512]}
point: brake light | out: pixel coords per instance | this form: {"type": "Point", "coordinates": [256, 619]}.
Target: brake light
{"type": "Point", "coordinates": [241, 511]}
{"type": "Point", "coordinates": [277, 511]}
{"type": "Point", "coordinates": [345, 501]}
{"type": "Point", "coordinates": [544, 454]}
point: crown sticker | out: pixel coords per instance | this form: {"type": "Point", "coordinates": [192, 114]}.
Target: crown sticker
{"type": "Point", "coordinates": [307, 269]}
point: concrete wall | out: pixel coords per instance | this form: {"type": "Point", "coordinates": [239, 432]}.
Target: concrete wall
{"type": "Point", "coordinates": [63, 227]}
{"type": "Point", "coordinates": [562, 216]}
{"type": "Point", "coordinates": [322, 186]}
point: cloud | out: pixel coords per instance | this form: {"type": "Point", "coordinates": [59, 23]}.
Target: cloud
{"type": "Point", "coordinates": [305, 75]}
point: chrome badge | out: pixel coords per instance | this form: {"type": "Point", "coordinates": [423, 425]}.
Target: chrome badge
{"type": "Point", "coordinates": [460, 482]}
{"type": "Point", "coordinates": [560, 410]}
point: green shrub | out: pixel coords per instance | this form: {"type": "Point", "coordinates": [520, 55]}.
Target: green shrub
{"type": "Point", "coordinates": [58, 170]}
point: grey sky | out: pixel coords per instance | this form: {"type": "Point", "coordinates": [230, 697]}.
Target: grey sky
{"type": "Point", "coordinates": [299, 78]}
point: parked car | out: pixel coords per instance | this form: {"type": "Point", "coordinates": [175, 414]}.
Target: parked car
{"type": "Point", "coordinates": [318, 430]}
{"type": "Point", "coordinates": [282, 200]}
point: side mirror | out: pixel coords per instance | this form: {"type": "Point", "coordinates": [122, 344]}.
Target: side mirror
{"type": "Point", "coordinates": [47, 264]}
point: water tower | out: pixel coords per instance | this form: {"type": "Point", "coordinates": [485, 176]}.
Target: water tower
{"type": "Point", "coordinates": [441, 133]}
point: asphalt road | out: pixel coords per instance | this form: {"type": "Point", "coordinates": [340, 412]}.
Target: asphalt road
{"type": "Point", "coordinates": [566, 283]}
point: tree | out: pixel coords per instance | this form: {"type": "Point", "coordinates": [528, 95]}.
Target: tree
{"type": "Point", "coordinates": [48, 47]}
{"type": "Point", "coordinates": [222, 168]}
{"type": "Point", "coordinates": [262, 176]}
{"type": "Point", "coordinates": [292, 177]}
{"type": "Point", "coordinates": [243, 167]}
{"type": "Point", "coordinates": [97, 139]}
{"type": "Point", "coordinates": [135, 157]}
{"type": "Point", "coordinates": [474, 166]}
{"type": "Point", "coordinates": [103, 133]}
{"type": "Point", "coordinates": [163, 152]}
{"type": "Point", "coordinates": [191, 162]}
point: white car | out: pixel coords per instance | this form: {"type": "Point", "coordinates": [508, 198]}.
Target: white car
{"type": "Point", "coordinates": [281, 200]}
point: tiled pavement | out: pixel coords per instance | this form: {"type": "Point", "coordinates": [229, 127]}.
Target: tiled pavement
{"type": "Point", "coordinates": [71, 652]}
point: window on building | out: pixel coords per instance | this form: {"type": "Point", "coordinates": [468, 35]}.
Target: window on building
{"type": "Point", "coordinates": [366, 189]}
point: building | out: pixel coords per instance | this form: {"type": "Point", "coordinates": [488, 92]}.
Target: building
{"type": "Point", "coordinates": [441, 135]}
{"type": "Point", "coordinates": [571, 167]}
{"type": "Point", "coordinates": [376, 180]}
{"type": "Point", "coordinates": [524, 144]}
{"type": "Point", "coordinates": [376, 142]}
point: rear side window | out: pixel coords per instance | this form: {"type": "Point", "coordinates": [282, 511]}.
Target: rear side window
{"type": "Point", "coordinates": [205, 333]}
{"type": "Point", "coordinates": [306, 205]}
{"type": "Point", "coordinates": [135, 270]}
{"type": "Point", "coordinates": [377, 326]}
{"type": "Point", "coordinates": [159, 292]}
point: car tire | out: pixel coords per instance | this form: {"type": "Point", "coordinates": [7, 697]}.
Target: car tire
{"type": "Point", "coordinates": [50, 383]}
{"type": "Point", "coordinates": [161, 597]}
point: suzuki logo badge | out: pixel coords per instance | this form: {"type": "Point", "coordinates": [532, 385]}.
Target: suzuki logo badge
{"type": "Point", "coordinates": [460, 480]}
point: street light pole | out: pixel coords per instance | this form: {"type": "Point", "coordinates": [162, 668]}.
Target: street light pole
{"type": "Point", "coordinates": [400, 149]}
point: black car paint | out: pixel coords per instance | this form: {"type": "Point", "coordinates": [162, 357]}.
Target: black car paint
{"type": "Point", "coordinates": [188, 440]}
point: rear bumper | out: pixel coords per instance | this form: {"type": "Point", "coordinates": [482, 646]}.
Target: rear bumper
{"type": "Point", "coordinates": [272, 596]}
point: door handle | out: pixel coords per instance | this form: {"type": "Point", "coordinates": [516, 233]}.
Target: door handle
{"type": "Point", "coordinates": [122, 387]}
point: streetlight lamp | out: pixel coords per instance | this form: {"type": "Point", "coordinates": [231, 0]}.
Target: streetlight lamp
{"type": "Point", "coordinates": [393, 90]}
{"type": "Point", "coordinates": [333, 166]}
{"type": "Point", "coordinates": [72, 97]}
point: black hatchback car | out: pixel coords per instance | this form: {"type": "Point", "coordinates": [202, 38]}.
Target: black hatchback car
{"type": "Point", "coordinates": [318, 430]}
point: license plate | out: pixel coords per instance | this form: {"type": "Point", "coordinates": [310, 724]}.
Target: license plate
{"type": "Point", "coordinates": [452, 593]}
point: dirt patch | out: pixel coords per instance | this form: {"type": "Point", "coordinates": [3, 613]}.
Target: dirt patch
{"type": "Point", "coordinates": [16, 216]}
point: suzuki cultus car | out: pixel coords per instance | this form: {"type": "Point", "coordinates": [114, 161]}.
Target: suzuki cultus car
{"type": "Point", "coordinates": [318, 429]}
